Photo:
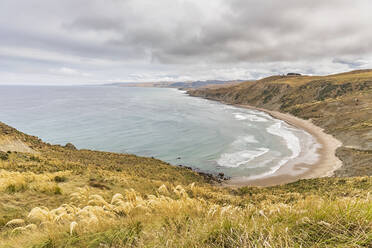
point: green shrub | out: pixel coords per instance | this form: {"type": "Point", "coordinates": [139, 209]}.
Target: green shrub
{"type": "Point", "coordinates": [57, 191]}
{"type": "Point", "coordinates": [60, 179]}
{"type": "Point", "coordinates": [4, 156]}
{"type": "Point", "coordinates": [14, 188]}
{"type": "Point", "coordinates": [227, 235]}
{"type": "Point", "coordinates": [127, 237]}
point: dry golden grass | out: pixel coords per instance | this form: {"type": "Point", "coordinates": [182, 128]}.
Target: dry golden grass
{"type": "Point", "coordinates": [181, 216]}
{"type": "Point", "coordinates": [12, 182]}
{"type": "Point", "coordinates": [354, 76]}
{"type": "Point", "coordinates": [62, 197]}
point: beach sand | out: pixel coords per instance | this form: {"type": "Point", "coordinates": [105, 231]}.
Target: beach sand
{"type": "Point", "coordinates": [325, 165]}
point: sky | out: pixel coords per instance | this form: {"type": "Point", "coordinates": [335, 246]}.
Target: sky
{"type": "Point", "coordinates": [105, 41]}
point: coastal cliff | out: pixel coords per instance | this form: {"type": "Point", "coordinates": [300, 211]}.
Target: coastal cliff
{"type": "Point", "coordinates": [341, 104]}
{"type": "Point", "coordinates": [60, 196]}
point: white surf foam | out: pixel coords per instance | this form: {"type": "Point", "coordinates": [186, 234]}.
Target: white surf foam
{"type": "Point", "coordinates": [243, 140]}
{"type": "Point", "coordinates": [286, 133]}
{"type": "Point", "coordinates": [229, 107]}
{"type": "Point", "coordinates": [271, 171]}
{"type": "Point", "coordinates": [239, 158]}
{"type": "Point", "coordinates": [263, 114]}
{"type": "Point", "coordinates": [250, 117]}
{"type": "Point", "coordinates": [310, 154]}
{"type": "Point", "coordinates": [293, 143]}
{"type": "Point", "coordinates": [239, 116]}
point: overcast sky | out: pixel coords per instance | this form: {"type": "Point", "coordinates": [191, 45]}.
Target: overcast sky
{"type": "Point", "coordinates": [102, 41]}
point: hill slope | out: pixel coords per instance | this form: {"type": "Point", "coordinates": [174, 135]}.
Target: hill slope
{"type": "Point", "coordinates": [340, 103]}
{"type": "Point", "coordinates": [58, 196]}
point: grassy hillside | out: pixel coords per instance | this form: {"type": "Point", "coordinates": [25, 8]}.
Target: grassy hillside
{"type": "Point", "coordinates": [341, 104]}
{"type": "Point", "coordinates": [58, 196]}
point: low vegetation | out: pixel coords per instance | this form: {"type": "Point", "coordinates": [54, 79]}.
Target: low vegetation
{"type": "Point", "coordinates": [63, 197]}
{"type": "Point", "coordinates": [59, 196]}
{"type": "Point", "coordinates": [184, 217]}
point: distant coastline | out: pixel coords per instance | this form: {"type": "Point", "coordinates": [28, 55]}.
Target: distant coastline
{"type": "Point", "coordinates": [182, 84]}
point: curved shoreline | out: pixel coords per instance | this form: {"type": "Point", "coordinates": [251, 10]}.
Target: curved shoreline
{"type": "Point", "coordinates": [325, 166]}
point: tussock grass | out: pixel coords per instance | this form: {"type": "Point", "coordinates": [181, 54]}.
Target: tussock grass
{"type": "Point", "coordinates": [62, 197]}
{"type": "Point", "coordinates": [175, 218]}
{"type": "Point", "coordinates": [12, 182]}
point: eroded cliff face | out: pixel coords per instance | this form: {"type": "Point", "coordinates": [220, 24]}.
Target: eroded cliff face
{"type": "Point", "coordinates": [259, 94]}
{"type": "Point", "coordinates": [341, 104]}
{"type": "Point", "coordinates": [12, 140]}
{"type": "Point", "coordinates": [14, 145]}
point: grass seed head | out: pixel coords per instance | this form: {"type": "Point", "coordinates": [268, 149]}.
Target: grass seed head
{"type": "Point", "coordinates": [15, 223]}
{"type": "Point", "coordinates": [163, 190]}
{"type": "Point", "coordinates": [72, 227]}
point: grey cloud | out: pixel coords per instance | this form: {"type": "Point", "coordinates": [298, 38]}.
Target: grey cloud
{"type": "Point", "coordinates": [352, 63]}
{"type": "Point", "coordinates": [97, 23]}
{"type": "Point", "coordinates": [197, 39]}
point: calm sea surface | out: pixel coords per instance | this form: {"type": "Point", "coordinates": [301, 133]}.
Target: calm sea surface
{"type": "Point", "coordinates": [163, 123]}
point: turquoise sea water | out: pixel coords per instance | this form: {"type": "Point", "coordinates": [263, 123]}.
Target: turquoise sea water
{"type": "Point", "coordinates": [162, 123]}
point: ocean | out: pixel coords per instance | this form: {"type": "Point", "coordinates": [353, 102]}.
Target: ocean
{"type": "Point", "coordinates": [157, 122]}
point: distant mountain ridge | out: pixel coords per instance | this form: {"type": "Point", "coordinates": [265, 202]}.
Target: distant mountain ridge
{"type": "Point", "coordinates": [181, 84]}
{"type": "Point", "coordinates": [199, 84]}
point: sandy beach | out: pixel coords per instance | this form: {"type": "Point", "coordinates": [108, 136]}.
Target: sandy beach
{"type": "Point", "coordinates": [325, 165]}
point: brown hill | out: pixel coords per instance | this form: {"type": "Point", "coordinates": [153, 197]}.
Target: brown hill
{"type": "Point", "coordinates": [340, 103]}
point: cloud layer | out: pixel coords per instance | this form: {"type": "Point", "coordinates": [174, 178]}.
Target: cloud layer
{"type": "Point", "coordinates": [99, 41]}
